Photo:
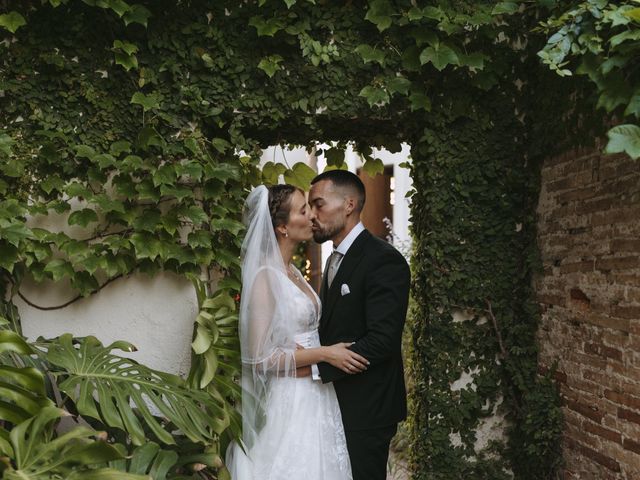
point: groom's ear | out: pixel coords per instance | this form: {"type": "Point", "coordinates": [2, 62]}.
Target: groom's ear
{"type": "Point", "coordinates": [351, 203]}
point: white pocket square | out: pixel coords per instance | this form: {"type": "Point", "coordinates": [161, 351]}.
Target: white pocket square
{"type": "Point", "coordinates": [344, 289]}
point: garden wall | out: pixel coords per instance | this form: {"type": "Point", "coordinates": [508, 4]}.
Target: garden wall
{"type": "Point", "coordinates": [589, 292]}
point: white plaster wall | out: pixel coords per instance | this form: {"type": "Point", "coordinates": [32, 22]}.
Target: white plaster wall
{"type": "Point", "coordinates": [156, 314]}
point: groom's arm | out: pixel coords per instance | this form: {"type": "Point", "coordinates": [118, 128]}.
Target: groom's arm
{"type": "Point", "coordinates": [385, 312]}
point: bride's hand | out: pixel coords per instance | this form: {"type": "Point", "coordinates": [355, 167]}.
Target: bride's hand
{"type": "Point", "coordinates": [341, 357]}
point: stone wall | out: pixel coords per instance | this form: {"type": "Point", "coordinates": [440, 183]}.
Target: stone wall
{"type": "Point", "coordinates": [589, 293]}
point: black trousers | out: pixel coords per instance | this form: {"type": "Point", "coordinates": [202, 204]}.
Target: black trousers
{"type": "Point", "coordinates": [369, 452]}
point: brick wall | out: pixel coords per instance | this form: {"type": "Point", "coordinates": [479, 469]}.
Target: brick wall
{"type": "Point", "coordinates": [589, 292]}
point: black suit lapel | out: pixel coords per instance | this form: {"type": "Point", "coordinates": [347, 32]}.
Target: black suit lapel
{"type": "Point", "coordinates": [348, 264]}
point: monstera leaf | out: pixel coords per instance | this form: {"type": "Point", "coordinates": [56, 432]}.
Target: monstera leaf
{"type": "Point", "coordinates": [148, 459]}
{"type": "Point", "coordinates": [215, 359]}
{"type": "Point", "coordinates": [38, 454]}
{"type": "Point", "coordinates": [121, 393]}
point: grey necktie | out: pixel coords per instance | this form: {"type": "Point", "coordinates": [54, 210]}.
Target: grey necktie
{"type": "Point", "coordinates": [334, 263]}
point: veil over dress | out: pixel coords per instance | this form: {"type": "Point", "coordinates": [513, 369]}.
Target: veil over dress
{"type": "Point", "coordinates": [292, 427]}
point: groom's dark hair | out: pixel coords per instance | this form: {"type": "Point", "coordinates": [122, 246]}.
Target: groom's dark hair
{"type": "Point", "coordinates": [345, 179]}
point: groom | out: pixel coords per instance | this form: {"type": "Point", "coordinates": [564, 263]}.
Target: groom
{"type": "Point", "coordinates": [364, 295]}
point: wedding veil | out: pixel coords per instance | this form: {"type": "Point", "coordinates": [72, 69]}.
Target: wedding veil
{"type": "Point", "coordinates": [266, 321]}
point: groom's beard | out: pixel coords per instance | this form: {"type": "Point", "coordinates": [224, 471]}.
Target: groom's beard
{"type": "Point", "coordinates": [321, 235]}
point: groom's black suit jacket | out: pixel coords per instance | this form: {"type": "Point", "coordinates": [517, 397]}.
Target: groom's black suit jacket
{"type": "Point", "coordinates": [372, 314]}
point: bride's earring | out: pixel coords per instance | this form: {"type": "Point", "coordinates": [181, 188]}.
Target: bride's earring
{"type": "Point", "coordinates": [286, 234]}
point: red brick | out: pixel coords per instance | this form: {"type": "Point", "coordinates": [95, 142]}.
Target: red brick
{"type": "Point", "coordinates": [632, 312]}
{"type": "Point", "coordinates": [589, 411]}
{"type": "Point", "coordinates": [625, 414]}
{"type": "Point", "coordinates": [603, 432]}
{"type": "Point", "coordinates": [623, 399]}
{"type": "Point", "coordinates": [631, 445]}
{"type": "Point", "coordinates": [619, 263]}
{"type": "Point", "coordinates": [596, 205]}
{"type": "Point", "coordinates": [582, 266]}
{"type": "Point", "coordinates": [603, 460]}
{"type": "Point", "coordinates": [625, 245]}
{"type": "Point", "coordinates": [607, 321]}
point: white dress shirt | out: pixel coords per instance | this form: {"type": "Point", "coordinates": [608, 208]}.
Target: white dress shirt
{"type": "Point", "coordinates": [343, 248]}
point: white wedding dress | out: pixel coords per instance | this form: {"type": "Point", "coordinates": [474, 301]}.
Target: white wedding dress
{"type": "Point", "coordinates": [303, 436]}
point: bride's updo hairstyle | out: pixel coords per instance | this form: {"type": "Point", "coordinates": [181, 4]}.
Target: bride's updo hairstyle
{"type": "Point", "coordinates": [280, 203]}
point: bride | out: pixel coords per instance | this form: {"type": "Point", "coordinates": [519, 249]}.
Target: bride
{"type": "Point", "coordinates": [292, 426]}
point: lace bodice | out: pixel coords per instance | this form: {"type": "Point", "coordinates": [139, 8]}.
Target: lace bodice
{"type": "Point", "coordinates": [304, 310]}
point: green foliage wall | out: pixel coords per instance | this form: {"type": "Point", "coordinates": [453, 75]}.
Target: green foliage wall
{"type": "Point", "coordinates": [474, 254]}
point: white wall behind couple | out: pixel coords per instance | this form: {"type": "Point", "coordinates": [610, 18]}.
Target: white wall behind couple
{"type": "Point", "coordinates": [157, 314]}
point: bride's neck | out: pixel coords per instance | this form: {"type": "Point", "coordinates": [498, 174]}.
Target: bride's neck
{"type": "Point", "coordinates": [287, 248]}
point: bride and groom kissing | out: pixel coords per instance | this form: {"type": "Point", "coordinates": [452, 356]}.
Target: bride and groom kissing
{"type": "Point", "coordinates": [322, 376]}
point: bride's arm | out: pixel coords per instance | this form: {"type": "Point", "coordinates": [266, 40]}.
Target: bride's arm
{"type": "Point", "coordinates": [337, 355]}
{"type": "Point", "coordinates": [267, 347]}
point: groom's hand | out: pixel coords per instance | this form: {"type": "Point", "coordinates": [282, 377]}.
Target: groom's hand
{"type": "Point", "coordinates": [303, 371]}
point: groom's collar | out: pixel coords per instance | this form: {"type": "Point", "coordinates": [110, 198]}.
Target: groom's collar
{"type": "Point", "coordinates": [349, 239]}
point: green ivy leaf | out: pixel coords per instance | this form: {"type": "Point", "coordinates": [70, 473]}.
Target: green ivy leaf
{"type": "Point", "coordinates": [374, 95]}
{"type": "Point", "coordinates": [75, 248]}
{"type": "Point", "coordinates": [85, 151]}
{"type": "Point", "coordinates": [59, 268]}
{"type": "Point", "coordinates": [146, 245]}
{"type": "Point", "coordinates": [104, 160]}
{"type": "Point", "coordinates": [195, 213]}
{"type": "Point", "coordinates": [149, 220]}
{"type": "Point", "coordinates": [147, 191]}
{"type": "Point", "coordinates": [179, 191]}
{"type": "Point", "coordinates": [270, 65]}
{"type": "Point", "coordinates": [191, 169]}
{"type": "Point", "coordinates": [271, 172]}
{"type": "Point", "coordinates": [220, 144]}
{"type": "Point", "coordinates": [84, 282]}
{"type": "Point", "coordinates": [300, 176]}
{"type": "Point", "coordinates": [440, 56]}
{"type": "Point", "coordinates": [126, 47]}
{"type": "Point", "coordinates": [419, 101]}
{"type": "Point", "coordinates": [227, 224]}
{"type": "Point", "coordinates": [379, 13]}
{"type": "Point", "coordinates": [634, 106]}
{"type": "Point", "coordinates": [266, 28]}
{"type": "Point", "coordinates": [164, 175]}
{"type": "Point", "coordinates": [8, 255]}
{"type": "Point", "coordinates": [83, 217]}
{"type": "Point", "coordinates": [131, 163]}
{"type": "Point", "coordinates": [51, 183]}
{"type": "Point", "coordinates": [124, 54]}
{"type": "Point", "coordinates": [624, 138]}
{"type": "Point", "coordinates": [370, 54]}
{"type": "Point", "coordinates": [137, 14]}
{"type": "Point", "coordinates": [121, 146]}
{"type": "Point", "coordinates": [199, 238]}
{"type": "Point", "coordinates": [505, 8]}
{"type": "Point", "coordinates": [12, 21]}
{"type": "Point", "coordinates": [399, 85]}
{"type": "Point", "coordinates": [124, 185]}
{"type": "Point", "coordinates": [148, 102]}
{"type": "Point", "coordinates": [334, 157]}
{"type": "Point", "coordinates": [108, 204]}
{"type": "Point", "coordinates": [6, 142]}
{"type": "Point", "coordinates": [170, 222]}
{"type": "Point", "coordinates": [373, 166]}
{"type": "Point", "coordinates": [14, 231]}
